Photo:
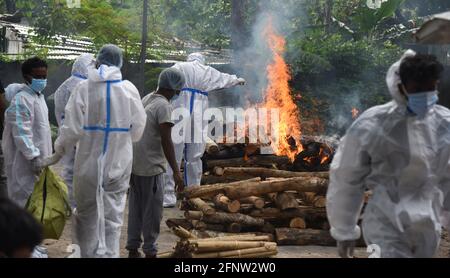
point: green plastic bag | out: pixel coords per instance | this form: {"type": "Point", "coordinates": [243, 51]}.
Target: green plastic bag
{"type": "Point", "coordinates": [49, 204]}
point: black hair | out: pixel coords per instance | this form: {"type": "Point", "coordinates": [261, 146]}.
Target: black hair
{"type": "Point", "coordinates": [18, 228]}
{"type": "Point", "coordinates": [420, 68]}
{"type": "Point", "coordinates": [32, 63]}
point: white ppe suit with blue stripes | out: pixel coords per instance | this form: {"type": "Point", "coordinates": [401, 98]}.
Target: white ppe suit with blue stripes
{"type": "Point", "coordinates": [104, 116]}
{"type": "Point", "coordinates": [62, 95]}
{"type": "Point", "coordinates": [26, 136]}
{"type": "Point", "coordinates": [200, 79]}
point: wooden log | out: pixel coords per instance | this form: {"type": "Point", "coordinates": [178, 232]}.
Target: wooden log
{"type": "Point", "coordinates": [182, 233]}
{"type": "Point", "coordinates": [268, 254]}
{"type": "Point", "coordinates": [223, 203]}
{"type": "Point", "coordinates": [312, 199]}
{"type": "Point", "coordinates": [259, 252]}
{"type": "Point", "coordinates": [246, 208]}
{"type": "Point", "coordinates": [267, 173]}
{"type": "Point", "coordinates": [212, 179]}
{"type": "Point", "coordinates": [226, 218]}
{"type": "Point", "coordinates": [202, 206]}
{"type": "Point", "coordinates": [199, 225]}
{"type": "Point", "coordinates": [297, 223]}
{"type": "Point", "coordinates": [262, 160]}
{"type": "Point", "coordinates": [303, 212]}
{"type": "Point", "coordinates": [215, 234]}
{"type": "Point", "coordinates": [257, 202]}
{"type": "Point", "coordinates": [262, 188]}
{"type": "Point", "coordinates": [297, 237]}
{"type": "Point", "coordinates": [212, 148]}
{"type": "Point", "coordinates": [214, 189]}
{"type": "Point", "coordinates": [285, 201]}
{"type": "Point", "coordinates": [166, 255]}
{"type": "Point", "coordinates": [216, 246]}
{"type": "Point", "coordinates": [308, 237]}
{"type": "Point", "coordinates": [186, 224]}
{"type": "Point", "coordinates": [234, 228]}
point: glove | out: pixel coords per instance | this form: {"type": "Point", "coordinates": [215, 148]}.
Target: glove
{"type": "Point", "coordinates": [51, 160]}
{"type": "Point", "coordinates": [346, 249]}
{"type": "Point", "coordinates": [59, 149]}
{"type": "Point", "coordinates": [242, 81]}
{"type": "Point", "coordinates": [37, 166]}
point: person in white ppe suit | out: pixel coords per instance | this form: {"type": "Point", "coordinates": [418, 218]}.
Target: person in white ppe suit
{"type": "Point", "coordinates": [400, 151]}
{"type": "Point", "coordinates": [200, 80]}
{"type": "Point", "coordinates": [27, 138]}
{"type": "Point", "coordinates": [62, 95]}
{"type": "Point", "coordinates": [103, 117]}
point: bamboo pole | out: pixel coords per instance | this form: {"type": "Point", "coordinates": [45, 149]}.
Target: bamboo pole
{"type": "Point", "coordinates": [216, 246]}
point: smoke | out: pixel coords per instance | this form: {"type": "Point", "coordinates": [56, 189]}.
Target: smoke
{"type": "Point", "coordinates": [252, 61]}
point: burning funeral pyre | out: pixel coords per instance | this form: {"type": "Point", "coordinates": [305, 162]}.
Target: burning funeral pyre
{"type": "Point", "coordinates": [278, 197]}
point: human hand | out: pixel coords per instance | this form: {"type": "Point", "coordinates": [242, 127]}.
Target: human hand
{"type": "Point", "coordinates": [37, 166]}
{"type": "Point", "coordinates": [242, 81]}
{"type": "Point", "coordinates": [179, 182]}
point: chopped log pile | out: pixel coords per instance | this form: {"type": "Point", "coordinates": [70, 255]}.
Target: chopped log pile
{"type": "Point", "coordinates": [231, 246]}
{"type": "Point", "coordinates": [245, 192]}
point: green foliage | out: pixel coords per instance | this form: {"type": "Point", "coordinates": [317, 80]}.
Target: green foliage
{"type": "Point", "coordinates": [368, 19]}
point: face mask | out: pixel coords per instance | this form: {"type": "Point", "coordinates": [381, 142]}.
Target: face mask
{"type": "Point", "coordinates": [38, 85]}
{"type": "Point", "coordinates": [421, 103]}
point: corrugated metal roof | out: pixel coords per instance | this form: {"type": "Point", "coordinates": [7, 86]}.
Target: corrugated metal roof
{"type": "Point", "coordinates": [69, 48]}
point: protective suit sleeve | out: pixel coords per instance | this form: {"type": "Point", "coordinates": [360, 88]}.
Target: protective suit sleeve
{"type": "Point", "coordinates": [139, 117]}
{"type": "Point", "coordinates": [72, 129]}
{"type": "Point", "coordinates": [445, 187]}
{"type": "Point", "coordinates": [19, 116]}
{"type": "Point", "coordinates": [216, 80]}
{"type": "Point", "coordinates": [346, 190]}
{"type": "Point", "coordinates": [62, 96]}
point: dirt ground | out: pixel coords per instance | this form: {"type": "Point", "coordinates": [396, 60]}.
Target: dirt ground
{"type": "Point", "coordinates": [58, 249]}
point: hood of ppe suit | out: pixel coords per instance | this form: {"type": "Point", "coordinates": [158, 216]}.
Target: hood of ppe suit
{"type": "Point", "coordinates": [12, 90]}
{"type": "Point", "coordinates": [393, 78]}
{"type": "Point", "coordinates": [110, 55]}
{"type": "Point", "coordinates": [82, 64]}
{"type": "Point", "coordinates": [105, 73]}
{"type": "Point", "coordinates": [197, 57]}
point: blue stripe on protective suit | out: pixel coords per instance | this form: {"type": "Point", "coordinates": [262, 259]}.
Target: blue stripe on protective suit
{"type": "Point", "coordinates": [20, 127]}
{"type": "Point", "coordinates": [79, 76]}
{"type": "Point", "coordinates": [193, 93]}
{"type": "Point", "coordinates": [107, 130]}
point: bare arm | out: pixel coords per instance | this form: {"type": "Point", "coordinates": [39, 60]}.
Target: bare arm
{"type": "Point", "coordinates": [169, 152]}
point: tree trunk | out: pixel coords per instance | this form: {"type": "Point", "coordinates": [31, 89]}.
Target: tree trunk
{"type": "Point", "coordinates": [10, 6]}
{"type": "Point", "coordinates": [294, 184]}
{"type": "Point", "coordinates": [143, 55]}
{"type": "Point", "coordinates": [237, 26]}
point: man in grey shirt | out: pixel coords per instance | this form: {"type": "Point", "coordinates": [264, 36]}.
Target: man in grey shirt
{"type": "Point", "coordinates": [151, 155]}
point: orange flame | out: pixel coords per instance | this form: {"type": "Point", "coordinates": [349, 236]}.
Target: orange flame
{"type": "Point", "coordinates": [355, 113]}
{"type": "Point", "coordinates": [278, 95]}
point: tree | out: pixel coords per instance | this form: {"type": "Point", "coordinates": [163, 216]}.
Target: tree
{"type": "Point", "coordinates": [143, 47]}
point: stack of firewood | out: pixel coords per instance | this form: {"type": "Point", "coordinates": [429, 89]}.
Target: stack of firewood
{"type": "Point", "coordinates": [288, 205]}
{"type": "Point", "coordinates": [236, 246]}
